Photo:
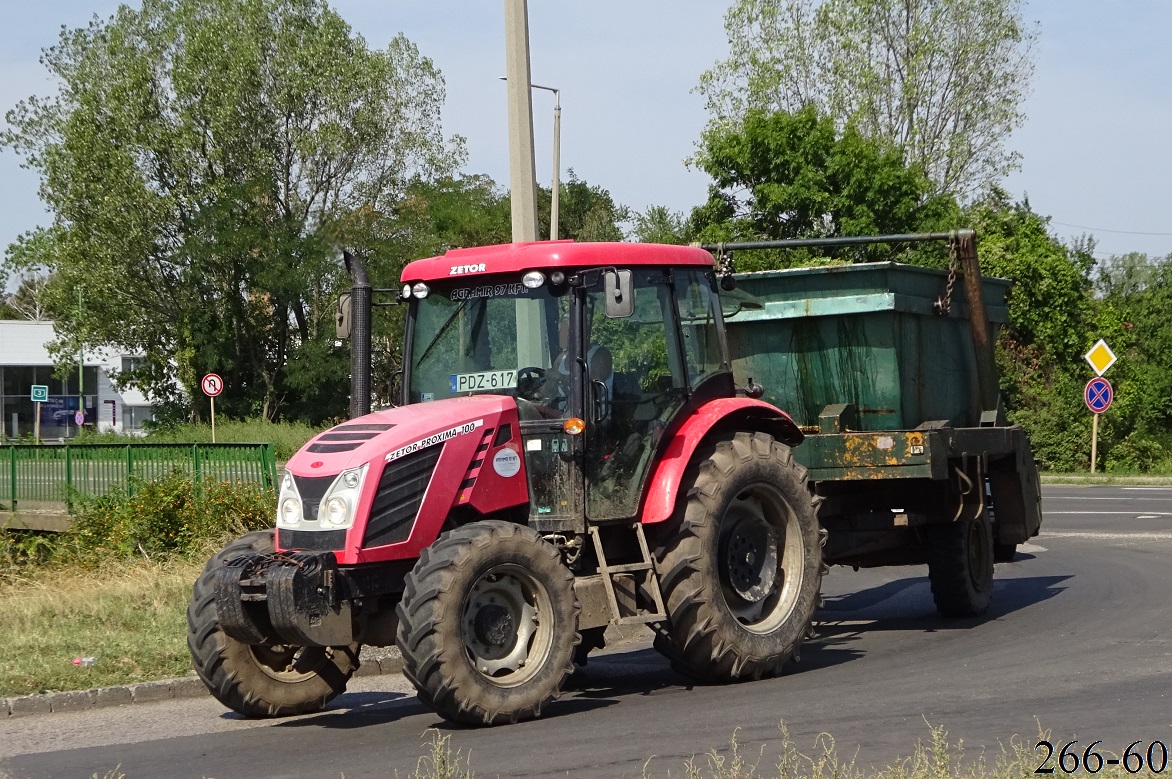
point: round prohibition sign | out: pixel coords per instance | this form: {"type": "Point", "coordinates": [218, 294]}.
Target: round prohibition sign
{"type": "Point", "coordinates": [212, 385]}
{"type": "Point", "coordinates": [1098, 394]}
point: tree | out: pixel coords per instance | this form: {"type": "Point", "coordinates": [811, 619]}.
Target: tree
{"type": "Point", "coordinates": [27, 302]}
{"type": "Point", "coordinates": [1135, 296]}
{"type": "Point", "coordinates": [1052, 322]}
{"type": "Point", "coordinates": [433, 216]}
{"type": "Point", "coordinates": [659, 224]}
{"type": "Point", "coordinates": [942, 79]}
{"type": "Point", "coordinates": [781, 175]}
{"type": "Point", "coordinates": [202, 159]}
{"type": "Point", "coordinates": [586, 212]}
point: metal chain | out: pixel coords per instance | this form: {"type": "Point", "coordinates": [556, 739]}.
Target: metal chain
{"type": "Point", "coordinates": [725, 261]}
{"type": "Point", "coordinates": [944, 305]}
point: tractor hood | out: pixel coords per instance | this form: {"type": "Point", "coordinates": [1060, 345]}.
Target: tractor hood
{"type": "Point", "coordinates": [388, 435]}
{"type": "Point", "coordinates": [381, 486]}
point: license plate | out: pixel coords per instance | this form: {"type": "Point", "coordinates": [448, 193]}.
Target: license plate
{"type": "Point", "coordinates": [487, 381]}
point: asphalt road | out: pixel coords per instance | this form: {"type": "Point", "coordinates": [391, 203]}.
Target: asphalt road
{"type": "Point", "coordinates": [1078, 641]}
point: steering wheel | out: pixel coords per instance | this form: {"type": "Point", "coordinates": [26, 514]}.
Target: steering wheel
{"type": "Point", "coordinates": [529, 383]}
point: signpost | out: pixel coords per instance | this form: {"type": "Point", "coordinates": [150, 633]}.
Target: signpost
{"type": "Point", "coordinates": [212, 385]}
{"type": "Point", "coordinates": [1098, 393]}
{"type": "Point", "coordinates": [40, 394]}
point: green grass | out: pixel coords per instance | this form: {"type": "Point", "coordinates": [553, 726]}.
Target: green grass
{"type": "Point", "coordinates": [129, 616]}
{"type": "Point", "coordinates": [286, 437]}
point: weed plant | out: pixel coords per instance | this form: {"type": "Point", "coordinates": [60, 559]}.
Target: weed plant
{"type": "Point", "coordinates": [933, 758]}
{"type": "Point", "coordinates": [173, 516]}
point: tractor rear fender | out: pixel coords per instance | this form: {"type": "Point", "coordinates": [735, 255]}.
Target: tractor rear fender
{"type": "Point", "coordinates": [714, 416]}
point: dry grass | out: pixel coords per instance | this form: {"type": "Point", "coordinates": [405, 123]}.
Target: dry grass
{"type": "Point", "coordinates": [933, 758]}
{"type": "Point", "coordinates": [128, 616]}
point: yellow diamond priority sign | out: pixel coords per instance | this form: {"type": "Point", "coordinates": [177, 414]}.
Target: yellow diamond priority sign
{"type": "Point", "coordinates": [1100, 357]}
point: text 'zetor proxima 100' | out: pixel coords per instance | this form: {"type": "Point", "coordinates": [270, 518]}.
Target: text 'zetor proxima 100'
{"type": "Point", "coordinates": [576, 448]}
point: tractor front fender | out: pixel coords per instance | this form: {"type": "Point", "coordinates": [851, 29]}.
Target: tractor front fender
{"type": "Point", "coordinates": [725, 414]}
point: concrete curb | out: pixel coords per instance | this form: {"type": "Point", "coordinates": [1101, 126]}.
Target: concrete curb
{"type": "Point", "coordinates": [386, 661]}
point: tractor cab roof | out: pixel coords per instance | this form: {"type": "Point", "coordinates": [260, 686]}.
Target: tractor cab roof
{"type": "Point", "coordinates": [550, 255]}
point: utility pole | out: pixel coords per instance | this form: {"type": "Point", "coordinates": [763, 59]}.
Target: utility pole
{"type": "Point", "coordinates": [522, 169]}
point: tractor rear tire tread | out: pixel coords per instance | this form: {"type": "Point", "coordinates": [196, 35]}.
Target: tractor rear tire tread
{"type": "Point", "coordinates": [702, 637]}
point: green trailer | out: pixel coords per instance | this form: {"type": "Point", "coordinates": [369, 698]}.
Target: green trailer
{"type": "Point", "coordinates": [889, 371]}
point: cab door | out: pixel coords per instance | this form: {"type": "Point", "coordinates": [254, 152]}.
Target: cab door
{"type": "Point", "coordinates": [628, 413]}
{"type": "Point", "coordinates": [553, 457]}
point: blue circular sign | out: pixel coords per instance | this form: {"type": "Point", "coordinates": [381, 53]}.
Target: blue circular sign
{"type": "Point", "coordinates": [1098, 394]}
{"type": "Point", "coordinates": [79, 418]}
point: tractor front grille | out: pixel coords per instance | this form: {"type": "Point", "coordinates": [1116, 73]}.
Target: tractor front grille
{"type": "Point", "coordinates": [400, 492]}
{"type": "Point", "coordinates": [312, 489]}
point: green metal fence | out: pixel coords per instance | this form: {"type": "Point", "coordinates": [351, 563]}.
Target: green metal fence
{"type": "Point", "coordinates": [54, 474]}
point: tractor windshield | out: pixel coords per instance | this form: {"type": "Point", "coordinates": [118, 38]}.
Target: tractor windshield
{"type": "Point", "coordinates": [482, 338]}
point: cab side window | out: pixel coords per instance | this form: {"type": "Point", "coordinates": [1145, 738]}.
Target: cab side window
{"type": "Point", "coordinates": [703, 347]}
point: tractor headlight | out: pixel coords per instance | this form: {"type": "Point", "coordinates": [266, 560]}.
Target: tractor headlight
{"type": "Point", "coordinates": [337, 511]}
{"type": "Point", "coordinates": [341, 499]}
{"type": "Point", "coordinates": [289, 513]}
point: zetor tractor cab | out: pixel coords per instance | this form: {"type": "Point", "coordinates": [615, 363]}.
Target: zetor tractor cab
{"type": "Point", "coordinates": [571, 453]}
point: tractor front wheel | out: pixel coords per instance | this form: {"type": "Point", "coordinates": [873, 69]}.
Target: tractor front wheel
{"type": "Point", "coordinates": [276, 680]}
{"type": "Point", "coordinates": [488, 624]}
{"type": "Point", "coordinates": [741, 572]}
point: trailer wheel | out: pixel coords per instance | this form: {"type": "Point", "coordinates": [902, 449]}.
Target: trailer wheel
{"type": "Point", "coordinates": [488, 624]}
{"type": "Point", "coordinates": [260, 681]}
{"type": "Point", "coordinates": [960, 567]}
{"type": "Point", "coordinates": [740, 575]}
{"type": "Point", "coordinates": [1004, 553]}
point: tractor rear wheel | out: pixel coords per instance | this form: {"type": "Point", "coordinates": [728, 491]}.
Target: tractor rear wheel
{"type": "Point", "coordinates": [488, 624]}
{"type": "Point", "coordinates": [260, 681]}
{"type": "Point", "coordinates": [740, 574]}
{"type": "Point", "coordinates": [960, 566]}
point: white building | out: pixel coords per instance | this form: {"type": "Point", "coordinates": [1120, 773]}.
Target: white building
{"type": "Point", "coordinates": [25, 361]}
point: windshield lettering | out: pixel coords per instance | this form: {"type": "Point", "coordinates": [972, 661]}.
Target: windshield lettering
{"type": "Point", "coordinates": [490, 291]}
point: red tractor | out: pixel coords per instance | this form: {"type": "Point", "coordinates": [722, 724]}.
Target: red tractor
{"type": "Point", "coordinates": [571, 452]}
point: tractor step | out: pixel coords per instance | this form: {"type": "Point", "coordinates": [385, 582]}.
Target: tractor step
{"type": "Point", "coordinates": [632, 588]}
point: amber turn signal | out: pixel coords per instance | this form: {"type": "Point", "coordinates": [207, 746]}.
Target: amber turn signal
{"type": "Point", "coordinates": [574, 426]}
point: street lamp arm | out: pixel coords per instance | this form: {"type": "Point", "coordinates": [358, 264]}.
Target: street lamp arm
{"type": "Point", "coordinates": [557, 142]}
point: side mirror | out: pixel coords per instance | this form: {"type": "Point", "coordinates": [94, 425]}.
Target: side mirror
{"type": "Point", "coordinates": [342, 316]}
{"type": "Point", "coordinates": [620, 294]}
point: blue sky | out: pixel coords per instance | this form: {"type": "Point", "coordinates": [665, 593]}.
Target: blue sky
{"type": "Point", "coordinates": [1094, 148]}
